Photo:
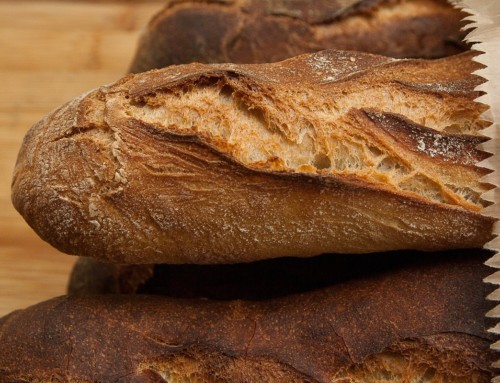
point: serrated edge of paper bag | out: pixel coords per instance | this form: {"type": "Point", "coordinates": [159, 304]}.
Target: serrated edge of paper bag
{"type": "Point", "coordinates": [484, 32]}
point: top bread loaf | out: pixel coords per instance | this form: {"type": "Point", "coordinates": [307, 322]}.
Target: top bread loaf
{"type": "Point", "coordinates": [258, 31]}
{"type": "Point", "coordinates": [329, 152]}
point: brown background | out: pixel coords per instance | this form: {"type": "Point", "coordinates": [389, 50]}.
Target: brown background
{"type": "Point", "coordinates": [51, 51]}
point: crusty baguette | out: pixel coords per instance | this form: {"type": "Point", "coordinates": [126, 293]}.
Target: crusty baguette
{"type": "Point", "coordinates": [258, 31]}
{"type": "Point", "coordinates": [258, 280]}
{"type": "Point", "coordinates": [418, 323]}
{"type": "Point", "coordinates": [333, 152]}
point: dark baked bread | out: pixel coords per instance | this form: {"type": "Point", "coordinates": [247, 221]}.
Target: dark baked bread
{"type": "Point", "coordinates": [90, 276]}
{"type": "Point", "coordinates": [334, 152]}
{"type": "Point", "coordinates": [258, 280]}
{"type": "Point", "coordinates": [258, 31]}
{"type": "Point", "coordinates": [423, 322]}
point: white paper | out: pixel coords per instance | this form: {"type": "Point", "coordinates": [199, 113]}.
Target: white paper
{"type": "Point", "coordinates": [485, 21]}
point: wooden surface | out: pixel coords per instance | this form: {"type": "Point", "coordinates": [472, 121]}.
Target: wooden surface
{"type": "Point", "coordinates": [51, 51]}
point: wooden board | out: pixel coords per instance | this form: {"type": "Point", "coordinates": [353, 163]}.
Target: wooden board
{"type": "Point", "coordinates": [51, 52]}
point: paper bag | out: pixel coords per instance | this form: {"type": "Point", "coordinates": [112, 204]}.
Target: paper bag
{"type": "Point", "coordinates": [485, 35]}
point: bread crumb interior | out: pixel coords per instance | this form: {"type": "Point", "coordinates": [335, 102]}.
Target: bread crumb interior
{"type": "Point", "coordinates": [320, 135]}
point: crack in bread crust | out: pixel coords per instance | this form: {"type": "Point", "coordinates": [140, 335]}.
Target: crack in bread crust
{"type": "Point", "coordinates": [391, 365]}
{"type": "Point", "coordinates": [325, 140]}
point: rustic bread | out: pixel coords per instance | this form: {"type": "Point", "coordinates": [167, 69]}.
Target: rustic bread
{"type": "Point", "coordinates": [334, 152]}
{"type": "Point", "coordinates": [258, 280]}
{"type": "Point", "coordinates": [90, 276]}
{"type": "Point", "coordinates": [418, 323]}
{"type": "Point", "coordinates": [258, 31]}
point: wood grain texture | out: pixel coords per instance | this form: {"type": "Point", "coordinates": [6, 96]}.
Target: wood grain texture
{"type": "Point", "coordinates": [51, 52]}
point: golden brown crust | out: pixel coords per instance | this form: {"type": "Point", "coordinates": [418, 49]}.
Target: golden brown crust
{"type": "Point", "coordinates": [233, 163]}
{"type": "Point", "coordinates": [258, 31]}
{"type": "Point", "coordinates": [457, 148]}
{"type": "Point", "coordinates": [414, 319]}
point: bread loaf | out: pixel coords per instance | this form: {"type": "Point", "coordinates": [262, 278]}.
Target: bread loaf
{"type": "Point", "coordinates": [334, 152]}
{"type": "Point", "coordinates": [261, 280]}
{"type": "Point", "coordinates": [258, 31]}
{"type": "Point", "coordinates": [418, 323]}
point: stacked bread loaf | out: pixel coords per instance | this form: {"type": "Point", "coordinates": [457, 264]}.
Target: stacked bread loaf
{"type": "Point", "coordinates": [258, 31]}
{"type": "Point", "coordinates": [401, 317]}
{"type": "Point", "coordinates": [316, 219]}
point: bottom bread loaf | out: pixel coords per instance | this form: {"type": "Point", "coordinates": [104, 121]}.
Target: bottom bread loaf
{"type": "Point", "coordinates": [419, 319]}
